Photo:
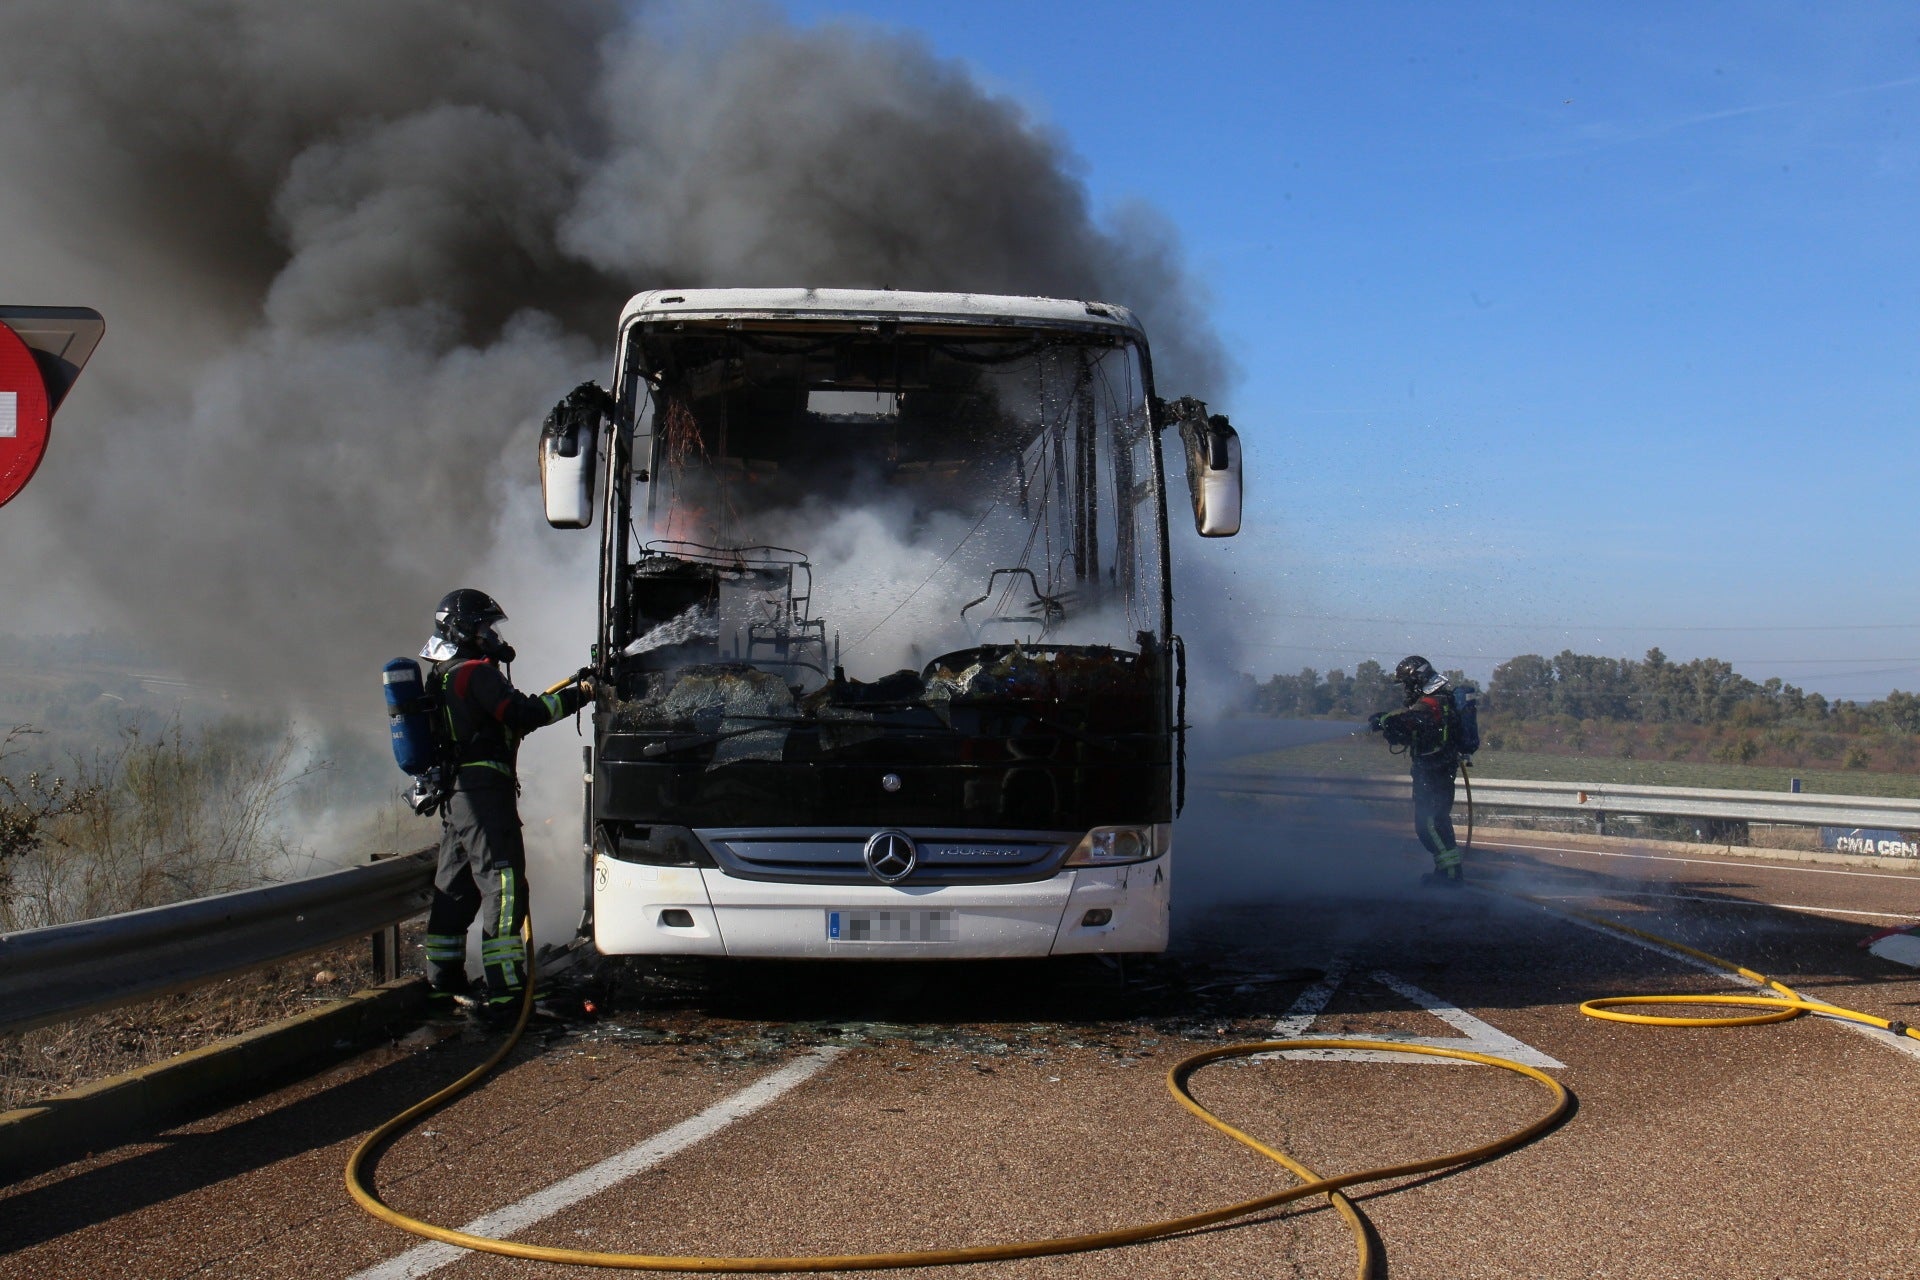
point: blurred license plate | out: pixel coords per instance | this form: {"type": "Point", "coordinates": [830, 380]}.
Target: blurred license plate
{"type": "Point", "coordinates": [892, 926]}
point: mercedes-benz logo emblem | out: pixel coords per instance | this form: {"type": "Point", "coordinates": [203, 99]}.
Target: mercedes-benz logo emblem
{"type": "Point", "coordinates": [890, 856]}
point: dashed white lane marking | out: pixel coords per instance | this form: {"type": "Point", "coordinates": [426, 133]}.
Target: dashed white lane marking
{"type": "Point", "coordinates": [1311, 1001]}
{"type": "Point", "coordinates": [1706, 862]}
{"type": "Point", "coordinates": [1481, 1037]}
{"type": "Point", "coordinates": [544, 1204]}
{"type": "Point", "coordinates": [1477, 1037]}
{"type": "Point", "coordinates": [1740, 902]}
{"type": "Point", "coordinates": [1899, 1044]}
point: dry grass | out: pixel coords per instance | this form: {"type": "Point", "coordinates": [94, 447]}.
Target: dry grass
{"type": "Point", "coordinates": [156, 818]}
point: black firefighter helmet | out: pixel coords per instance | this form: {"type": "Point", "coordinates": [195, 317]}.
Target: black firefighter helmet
{"type": "Point", "coordinates": [466, 625]}
{"type": "Point", "coordinates": [1417, 676]}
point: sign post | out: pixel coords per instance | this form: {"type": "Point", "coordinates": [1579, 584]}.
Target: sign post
{"type": "Point", "coordinates": [42, 350]}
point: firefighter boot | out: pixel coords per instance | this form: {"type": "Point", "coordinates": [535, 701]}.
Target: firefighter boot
{"type": "Point", "coordinates": [1447, 872]}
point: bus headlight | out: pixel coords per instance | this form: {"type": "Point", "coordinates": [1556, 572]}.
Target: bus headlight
{"type": "Point", "coordinates": [655, 846]}
{"type": "Point", "coordinates": [1105, 846]}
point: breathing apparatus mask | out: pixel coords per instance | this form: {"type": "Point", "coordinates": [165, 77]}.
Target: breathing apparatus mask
{"type": "Point", "coordinates": [467, 624]}
{"type": "Point", "coordinates": [1418, 678]}
{"type": "Point", "coordinates": [494, 644]}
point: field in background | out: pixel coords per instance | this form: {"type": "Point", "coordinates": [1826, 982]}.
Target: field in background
{"type": "Point", "coordinates": [1368, 755]}
{"type": "Point", "coordinates": [81, 697]}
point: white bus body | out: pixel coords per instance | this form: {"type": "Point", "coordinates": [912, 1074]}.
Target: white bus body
{"type": "Point", "coordinates": [886, 657]}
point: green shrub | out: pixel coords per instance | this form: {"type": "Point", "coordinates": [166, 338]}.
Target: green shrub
{"type": "Point", "coordinates": [29, 804]}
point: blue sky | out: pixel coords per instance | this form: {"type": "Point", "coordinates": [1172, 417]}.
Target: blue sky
{"type": "Point", "coordinates": [1557, 326]}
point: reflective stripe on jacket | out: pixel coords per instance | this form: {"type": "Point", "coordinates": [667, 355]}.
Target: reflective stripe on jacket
{"type": "Point", "coordinates": [485, 717]}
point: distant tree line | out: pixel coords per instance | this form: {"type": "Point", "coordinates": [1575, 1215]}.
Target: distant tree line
{"type": "Point", "coordinates": [1335, 696]}
{"type": "Point", "coordinates": [1582, 687]}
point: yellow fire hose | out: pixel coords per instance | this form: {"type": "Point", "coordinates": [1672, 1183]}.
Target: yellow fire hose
{"type": "Point", "coordinates": [1312, 1184]}
{"type": "Point", "coordinates": [1785, 1004]}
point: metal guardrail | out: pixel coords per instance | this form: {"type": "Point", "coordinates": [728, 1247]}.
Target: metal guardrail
{"type": "Point", "coordinates": [67, 970]}
{"type": "Point", "coordinates": [1785, 807]}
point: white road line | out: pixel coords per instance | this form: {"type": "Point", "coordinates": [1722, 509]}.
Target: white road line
{"type": "Point", "coordinates": [1899, 1044]}
{"type": "Point", "coordinates": [504, 1222]}
{"type": "Point", "coordinates": [1480, 1037]}
{"type": "Point", "coordinates": [1738, 902]}
{"type": "Point", "coordinates": [1314, 999]}
{"type": "Point", "coordinates": [1705, 862]}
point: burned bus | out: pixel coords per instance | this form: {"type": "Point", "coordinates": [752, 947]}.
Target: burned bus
{"type": "Point", "coordinates": [886, 648]}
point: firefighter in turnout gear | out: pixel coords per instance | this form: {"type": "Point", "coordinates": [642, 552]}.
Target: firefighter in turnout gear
{"type": "Point", "coordinates": [483, 862]}
{"type": "Point", "coordinates": [1428, 730]}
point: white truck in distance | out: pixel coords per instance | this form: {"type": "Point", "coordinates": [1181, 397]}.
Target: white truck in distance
{"type": "Point", "coordinates": [886, 649]}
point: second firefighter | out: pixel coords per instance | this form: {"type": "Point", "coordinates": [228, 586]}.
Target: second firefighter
{"type": "Point", "coordinates": [1428, 728]}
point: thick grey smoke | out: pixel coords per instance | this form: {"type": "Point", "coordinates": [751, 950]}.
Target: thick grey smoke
{"type": "Point", "coordinates": [350, 252]}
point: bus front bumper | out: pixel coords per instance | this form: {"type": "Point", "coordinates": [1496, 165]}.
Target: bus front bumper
{"type": "Point", "coordinates": [648, 910]}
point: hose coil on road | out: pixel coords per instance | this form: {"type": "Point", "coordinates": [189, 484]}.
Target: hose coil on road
{"type": "Point", "coordinates": [360, 1165]}
{"type": "Point", "coordinates": [1784, 1004]}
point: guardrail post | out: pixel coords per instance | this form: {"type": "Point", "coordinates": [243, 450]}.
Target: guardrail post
{"type": "Point", "coordinates": [386, 942]}
{"type": "Point", "coordinates": [386, 954]}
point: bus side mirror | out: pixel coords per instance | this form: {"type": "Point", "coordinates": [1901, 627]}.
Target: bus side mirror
{"type": "Point", "coordinates": [569, 448]}
{"type": "Point", "coordinates": [1213, 467]}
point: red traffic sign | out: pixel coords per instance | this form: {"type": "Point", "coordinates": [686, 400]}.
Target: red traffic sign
{"type": "Point", "coordinates": [24, 415]}
{"type": "Point", "coordinates": [42, 350]}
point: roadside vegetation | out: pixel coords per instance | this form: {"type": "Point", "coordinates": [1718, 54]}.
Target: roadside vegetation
{"type": "Point", "coordinates": [146, 818]}
{"type": "Point", "coordinates": [124, 786]}
{"type": "Point", "coordinates": [121, 789]}
{"type": "Point", "coordinates": [156, 817]}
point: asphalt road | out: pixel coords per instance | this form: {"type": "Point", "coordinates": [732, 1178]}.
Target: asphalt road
{"type": "Point", "coordinates": [924, 1106]}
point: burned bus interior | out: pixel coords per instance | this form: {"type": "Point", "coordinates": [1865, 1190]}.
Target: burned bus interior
{"type": "Point", "coordinates": [914, 573]}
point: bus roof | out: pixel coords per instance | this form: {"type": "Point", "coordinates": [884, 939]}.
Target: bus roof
{"type": "Point", "coordinates": [877, 304]}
